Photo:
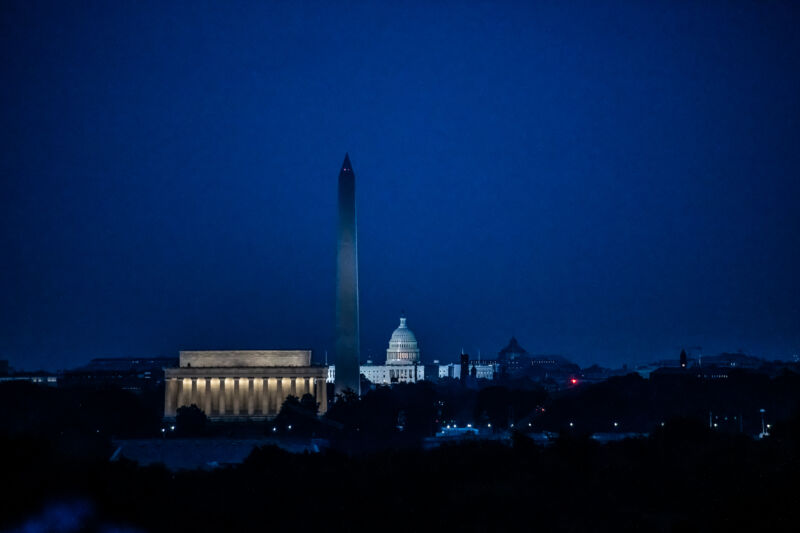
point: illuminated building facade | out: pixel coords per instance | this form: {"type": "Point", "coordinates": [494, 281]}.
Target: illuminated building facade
{"type": "Point", "coordinates": [242, 385]}
{"type": "Point", "coordinates": [481, 370]}
{"type": "Point", "coordinates": [402, 360]}
{"type": "Point", "coordinates": [403, 363]}
{"type": "Point", "coordinates": [403, 347]}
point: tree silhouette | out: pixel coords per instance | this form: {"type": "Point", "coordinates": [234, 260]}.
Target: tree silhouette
{"type": "Point", "coordinates": [297, 416]}
{"type": "Point", "coordinates": [190, 421]}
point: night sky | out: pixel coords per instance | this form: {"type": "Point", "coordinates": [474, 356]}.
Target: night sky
{"type": "Point", "coordinates": [607, 182]}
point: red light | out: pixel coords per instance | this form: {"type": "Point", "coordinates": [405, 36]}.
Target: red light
{"type": "Point", "coordinates": [574, 381]}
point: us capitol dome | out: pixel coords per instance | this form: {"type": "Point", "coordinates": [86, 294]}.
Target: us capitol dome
{"type": "Point", "coordinates": [403, 347]}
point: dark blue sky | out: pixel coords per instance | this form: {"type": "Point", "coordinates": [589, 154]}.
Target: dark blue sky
{"type": "Point", "coordinates": [609, 182]}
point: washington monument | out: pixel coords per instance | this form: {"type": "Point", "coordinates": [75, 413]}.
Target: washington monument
{"type": "Point", "coordinates": [347, 336]}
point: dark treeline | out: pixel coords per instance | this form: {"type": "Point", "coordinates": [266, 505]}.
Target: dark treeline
{"type": "Point", "coordinates": [620, 404]}
{"type": "Point", "coordinates": [686, 476]}
{"type": "Point", "coordinates": [409, 412]}
{"type": "Point", "coordinates": [637, 404]}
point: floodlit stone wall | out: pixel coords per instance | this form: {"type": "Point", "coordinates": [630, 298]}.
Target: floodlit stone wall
{"type": "Point", "coordinates": [244, 358]}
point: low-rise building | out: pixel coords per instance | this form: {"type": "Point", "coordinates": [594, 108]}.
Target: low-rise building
{"type": "Point", "coordinates": [243, 384]}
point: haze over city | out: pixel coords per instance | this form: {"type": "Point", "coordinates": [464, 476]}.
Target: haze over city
{"type": "Point", "coordinates": [606, 182]}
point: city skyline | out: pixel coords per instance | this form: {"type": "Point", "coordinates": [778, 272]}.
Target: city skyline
{"type": "Point", "coordinates": [608, 192]}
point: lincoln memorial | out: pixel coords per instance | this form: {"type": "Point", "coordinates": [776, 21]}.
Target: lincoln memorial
{"type": "Point", "coordinates": [243, 385]}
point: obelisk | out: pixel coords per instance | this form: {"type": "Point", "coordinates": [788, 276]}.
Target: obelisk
{"type": "Point", "coordinates": [347, 337]}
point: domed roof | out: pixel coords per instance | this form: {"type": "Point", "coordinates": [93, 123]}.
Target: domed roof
{"type": "Point", "coordinates": [402, 334]}
{"type": "Point", "coordinates": [403, 347]}
{"type": "Point", "coordinates": [512, 351]}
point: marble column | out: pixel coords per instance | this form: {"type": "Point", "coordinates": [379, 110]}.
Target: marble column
{"type": "Point", "coordinates": [179, 394]}
{"type": "Point", "coordinates": [251, 396]}
{"type": "Point", "coordinates": [171, 397]}
{"type": "Point", "coordinates": [323, 401]}
{"type": "Point", "coordinates": [272, 398]}
{"type": "Point", "coordinates": [222, 405]}
{"type": "Point", "coordinates": [264, 396]}
{"type": "Point", "coordinates": [207, 396]}
{"type": "Point", "coordinates": [214, 396]}
{"type": "Point", "coordinates": [279, 396]}
{"type": "Point", "coordinates": [236, 393]}
{"type": "Point", "coordinates": [194, 400]}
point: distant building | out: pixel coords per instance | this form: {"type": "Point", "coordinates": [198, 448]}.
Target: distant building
{"type": "Point", "coordinates": [710, 367]}
{"type": "Point", "coordinates": [129, 373]}
{"type": "Point", "coordinates": [403, 363]}
{"type": "Point", "coordinates": [704, 373]}
{"type": "Point", "coordinates": [402, 360]}
{"type": "Point", "coordinates": [512, 358]}
{"type": "Point", "coordinates": [464, 363]}
{"type": "Point", "coordinates": [243, 385]}
{"type": "Point", "coordinates": [454, 371]}
{"type": "Point", "coordinates": [732, 360]}
{"type": "Point", "coordinates": [40, 376]}
{"type": "Point", "coordinates": [403, 347]}
{"type": "Point", "coordinates": [388, 375]}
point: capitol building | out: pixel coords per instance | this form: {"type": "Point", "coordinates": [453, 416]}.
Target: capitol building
{"type": "Point", "coordinates": [403, 364]}
{"type": "Point", "coordinates": [402, 360]}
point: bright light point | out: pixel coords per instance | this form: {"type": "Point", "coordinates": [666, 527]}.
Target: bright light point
{"type": "Point", "coordinates": [470, 425]}
{"type": "Point", "coordinates": [573, 381]}
{"type": "Point", "coordinates": [615, 424]}
{"type": "Point", "coordinates": [488, 425]}
{"type": "Point", "coordinates": [571, 424]}
{"type": "Point", "coordinates": [172, 428]}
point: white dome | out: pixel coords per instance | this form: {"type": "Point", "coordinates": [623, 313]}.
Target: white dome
{"type": "Point", "coordinates": [403, 347]}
